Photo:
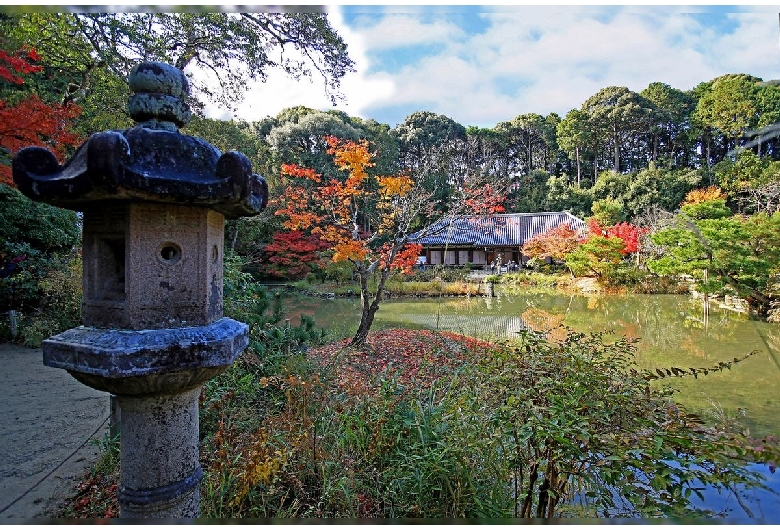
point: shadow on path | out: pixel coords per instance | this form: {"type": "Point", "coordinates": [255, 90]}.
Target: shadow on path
{"type": "Point", "coordinates": [46, 415]}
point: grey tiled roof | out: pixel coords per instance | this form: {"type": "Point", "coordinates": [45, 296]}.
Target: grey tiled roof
{"type": "Point", "coordinates": [512, 229]}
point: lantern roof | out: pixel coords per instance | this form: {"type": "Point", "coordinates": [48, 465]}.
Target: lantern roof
{"type": "Point", "coordinates": [151, 161]}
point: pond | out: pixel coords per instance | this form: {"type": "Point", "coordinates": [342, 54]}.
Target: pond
{"type": "Point", "coordinates": [673, 331]}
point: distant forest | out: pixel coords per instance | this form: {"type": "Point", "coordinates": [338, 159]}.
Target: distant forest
{"type": "Point", "coordinates": [643, 150]}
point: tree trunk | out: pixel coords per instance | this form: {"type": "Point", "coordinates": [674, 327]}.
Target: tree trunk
{"type": "Point", "coordinates": [617, 158]}
{"type": "Point", "coordinates": [369, 305]}
{"type": "Point", "coordinates": [654, 156]}
{"type": "Point", "coordinates": [579, 170]}
{"type": "Point", "coordinates": [366, 320]}
{"type": "Point", "coordinates": [616, 139]}
{"type": "Point", "coordinates": [235, 238]}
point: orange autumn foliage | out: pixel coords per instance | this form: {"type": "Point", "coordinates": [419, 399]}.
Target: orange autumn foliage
{"type": "Point", "coordinates": [349, 250]}
{"type": "Point", "coordinates": [352, 157]}
{"type": "Point", "coordinates": [555, 243]}
{"type": "Point", "coordinates": [333, 209]}
{"type": "Point", "coordinates": [294, 170]}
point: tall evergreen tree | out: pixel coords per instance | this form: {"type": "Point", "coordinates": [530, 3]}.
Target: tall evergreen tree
{"type": "Point", "coordinates": [622, 119]}
{"type": "Point", "coordinates": [670, 145]}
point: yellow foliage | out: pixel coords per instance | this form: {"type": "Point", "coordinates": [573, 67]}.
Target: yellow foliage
{"type": "Point", "coordinates": [333, 234]}
{"type": "Point", "coordinates": [395, 185]}
{"type": "Point", "coordinates": [261, 464]}
{"type": "Point", "coordinates": [387, 223]}
{"type": "Point", "coordinates": [710, 193]}
{"type": "Point", "coordinates": [353, 157]}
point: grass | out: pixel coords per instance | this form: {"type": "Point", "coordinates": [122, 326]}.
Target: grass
{"type": "Point", "coordinates": [396, 288]}
{"type": "Point", "coordinates": [95, 495]}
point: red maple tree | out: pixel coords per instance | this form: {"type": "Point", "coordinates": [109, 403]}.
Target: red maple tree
{"type": "Point", "coordinates": [484, 199]}
{"type": "Point", "coordinates": [405, 259]}
{"type": "Point", "coordinates": [631, 235]}
{"type": "Point", "coordinates": [30, 121]}
{"type": "Point", "coordinates": [366, 219]}
{"type": "Point", "coordinates": [294, 254]}
{"type": "Point", "coordinates": [13, 65]}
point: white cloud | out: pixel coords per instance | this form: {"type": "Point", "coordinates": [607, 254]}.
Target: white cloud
{"type": "Point", "coordinates": [529, 59]}
{"type": "Point", "coordinates": [753, 47]}
{"type": "Point", "coordinates": [402, 30]}
{"type": "Point", "coordinates": [559, 59]}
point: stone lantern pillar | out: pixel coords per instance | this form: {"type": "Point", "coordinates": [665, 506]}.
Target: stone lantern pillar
{"type": "Point", "coordinates": [154, 203]}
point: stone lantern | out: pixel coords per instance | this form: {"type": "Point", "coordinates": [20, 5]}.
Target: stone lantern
{"type": "Point", "coordinates": [154, 203]}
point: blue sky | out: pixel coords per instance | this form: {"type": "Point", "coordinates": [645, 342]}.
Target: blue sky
{"type": "Point", "coordinates": [484, 65]}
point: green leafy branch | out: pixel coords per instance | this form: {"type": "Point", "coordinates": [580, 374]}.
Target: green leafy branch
{"type": "Point", "coordinates": [663, 373]}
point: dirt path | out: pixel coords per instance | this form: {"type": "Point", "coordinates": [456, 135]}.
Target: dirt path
{"type": "Point", "coordinates": [45, 414]}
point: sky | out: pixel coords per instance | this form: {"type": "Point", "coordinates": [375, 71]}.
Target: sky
{"type": "Point", "coordinates": [484, 65]}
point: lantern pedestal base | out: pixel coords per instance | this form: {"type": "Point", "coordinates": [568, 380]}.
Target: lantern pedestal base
{"type": "Point", "coordinates": [163, 479]}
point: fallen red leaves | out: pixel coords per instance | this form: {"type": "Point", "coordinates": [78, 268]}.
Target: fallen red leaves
{"type": "Point", "coordinates": [411, 357]}
{"type": "Point", "coordinates": [95, 498]}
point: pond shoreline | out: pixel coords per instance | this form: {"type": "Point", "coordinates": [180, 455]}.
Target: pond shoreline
{"type": "Point", "coordinates": [569, 286]}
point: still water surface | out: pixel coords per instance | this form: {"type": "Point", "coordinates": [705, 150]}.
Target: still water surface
{"type": "Point", "coordinates": [673, 331]}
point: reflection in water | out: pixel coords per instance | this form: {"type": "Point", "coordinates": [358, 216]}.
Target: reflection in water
{"type": "Point", "coordinates": [771, 342]}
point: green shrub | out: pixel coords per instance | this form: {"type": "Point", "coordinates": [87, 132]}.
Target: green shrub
{"type": "Point", "coordinates": [440, 272]}
{"type": "Point", "coordinates": [712, 209]}
{"type": "Point", "coordinates": [60, 302]}
{"type": "Point", "coordinates": [531, 279]}
{"type": "Point", "coordinates": [339, 272]}
{"type": "Point", "coordinates": [411, 460]}
{"type": "Point", "coordinates": [543, 267]}
{"type": "Point", "coordinates": [575, 422]}
{"type": "Point", "coordinates": [249, 302]}
{"type": "Point", "coordinates": [624, 275]}
{"type": "Point", "coordinates": [431, 288]}
{"type": "Point", "coordinates": [598, 256]}
{"type": "Point", "coordinates": [45, 235]}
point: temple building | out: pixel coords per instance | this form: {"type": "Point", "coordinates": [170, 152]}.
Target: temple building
{"type": "Point", "coordinates": [481, 240]}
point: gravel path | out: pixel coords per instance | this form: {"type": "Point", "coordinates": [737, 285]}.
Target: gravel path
{"type": "Point", "coordinates": [45, 415]}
